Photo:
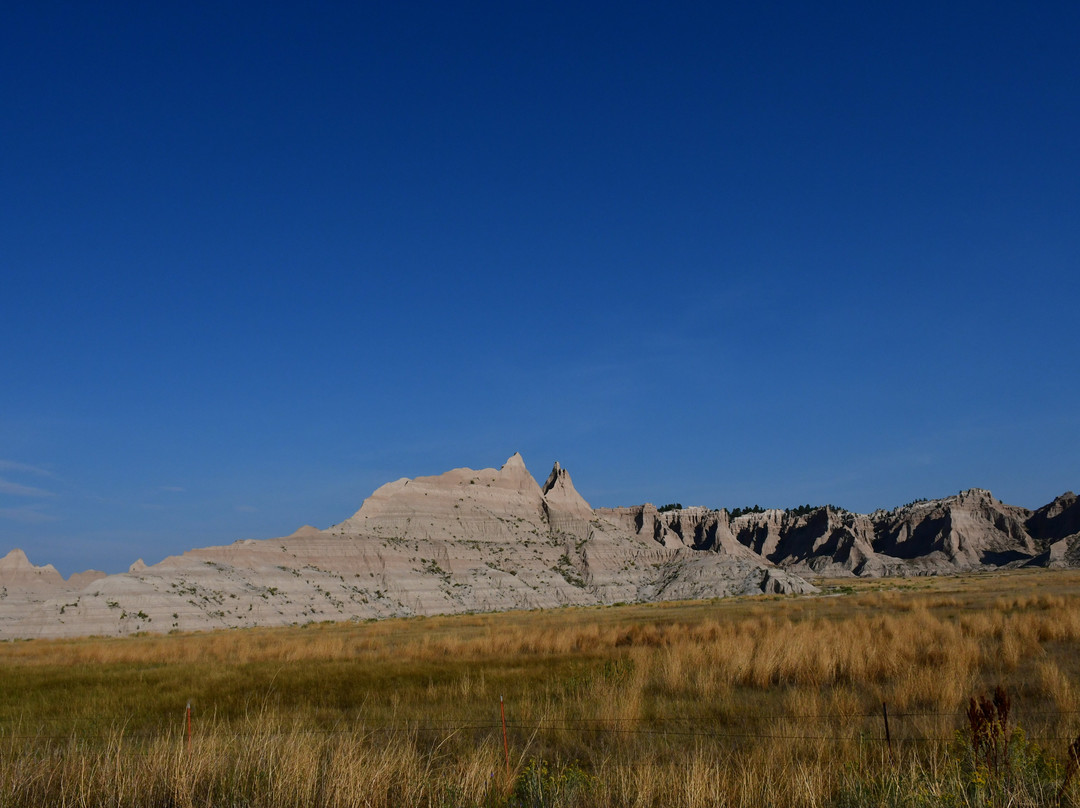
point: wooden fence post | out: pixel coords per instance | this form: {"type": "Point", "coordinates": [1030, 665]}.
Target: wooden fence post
{"type": "Point", "coordinates": [888, 737]}
{"type": "Point", "coordinates": [506, 742]}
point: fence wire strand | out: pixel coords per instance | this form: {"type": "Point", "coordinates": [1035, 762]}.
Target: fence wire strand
{"type": "Point", "coordinates": [864, 727]}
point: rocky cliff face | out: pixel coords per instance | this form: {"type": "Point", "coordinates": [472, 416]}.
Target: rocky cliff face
{"type": "Point", "coordinates": [485, 540]}
{"type": "Point", "coordinates": [1056, 528]}
{"type": "Point", "coordinates": [16, 572]}
{"type": "Point", "coordinates": [564, 507]}
{"type": "Point", "coordinates": [466, 540]}
{"type": "Point", "coordinates": [962, 532]}
{"type": "Point", "coordinates": [25, 588]}
{"type": "Point", "coordinates": [972, 530]}
{"type": "Point", "coordinates": [1058, 520]}
{"type": "Point", "coordinates": [484, 505]}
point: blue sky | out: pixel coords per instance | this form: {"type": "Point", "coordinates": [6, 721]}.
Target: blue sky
{"type": "Point", "coordinates": [258, 259]}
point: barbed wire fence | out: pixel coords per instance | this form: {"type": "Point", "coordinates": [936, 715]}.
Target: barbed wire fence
{"type": "Point", "coordinates": [885, 727]}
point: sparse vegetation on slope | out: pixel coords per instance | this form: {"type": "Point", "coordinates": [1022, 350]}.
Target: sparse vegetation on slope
{"type": "Point", "coordinates": [749, 702]}
{"type": "Point", "coordinates": [807, 509]}
{"type": "Point", "coordinates": [737, 512]}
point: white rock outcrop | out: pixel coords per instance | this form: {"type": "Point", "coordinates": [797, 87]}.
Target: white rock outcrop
{"type": "Point", "coordinates": [484, 540]}
{"type": "Point", "coordinates": [466, 540]}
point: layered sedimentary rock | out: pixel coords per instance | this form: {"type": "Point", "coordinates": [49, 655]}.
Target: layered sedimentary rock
{"type": "Point", "coordinates": [564, 507]}
{"type": "Point", "coordinates": [972, 530]}
{"type": "Point", "coordinates": [1058, 520]}
{"type": "Point", "coordinates": [485, 540]}
{"type": "Point", "coordinates": [466, 540]}
{"type": "Point", "coordinates": [463, 503]}
{"type": "Point", "coordinates": [1056, 527]}
{"type": "Point", "coordinates": [16, 572]}
{"type": "Point", "coordinates": [26, 588]}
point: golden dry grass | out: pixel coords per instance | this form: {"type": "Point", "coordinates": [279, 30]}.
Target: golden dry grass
{"type": "Point", "coordinates": [738, 702]}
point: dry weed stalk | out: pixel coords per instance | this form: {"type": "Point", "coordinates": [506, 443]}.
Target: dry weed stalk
{"type": "Point", "coordinates": [1071, 767]}
{"type": "Point", "coordinates": [988, 721]}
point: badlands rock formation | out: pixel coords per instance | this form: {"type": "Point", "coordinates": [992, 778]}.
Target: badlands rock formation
{"type": "Point", "coordinates": [462, 541]}
{"type": "Point", "coordinates": [490, 539]}
{"type": "Point", "coordinates": [970, 531]}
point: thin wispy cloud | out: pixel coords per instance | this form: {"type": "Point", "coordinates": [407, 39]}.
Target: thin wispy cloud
{"type": "Point", "coordinates": [28, 516]}
{"type": "Point", "coordinates": [11, 465]}
{"type": "Point", "coordinates": [20, 490]}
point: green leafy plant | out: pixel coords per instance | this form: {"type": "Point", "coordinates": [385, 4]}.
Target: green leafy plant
{"type": "Point", "coordinates": [543, 785]}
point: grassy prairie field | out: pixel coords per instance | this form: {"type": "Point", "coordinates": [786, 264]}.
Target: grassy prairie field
{"type": "Point", "coordinates": [747, 702]}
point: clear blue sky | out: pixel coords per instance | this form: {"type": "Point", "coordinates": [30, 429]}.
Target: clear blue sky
{"type": "Point", "coordinates": [258, 259]}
